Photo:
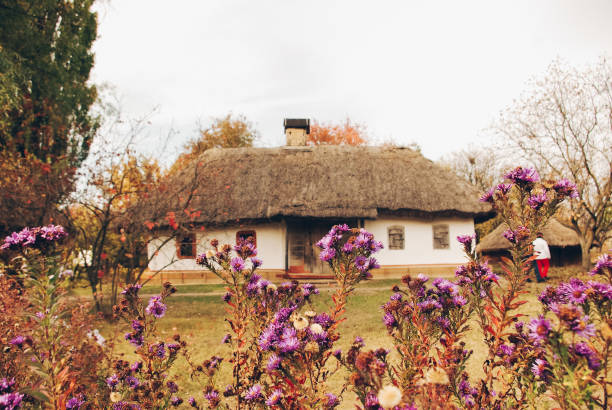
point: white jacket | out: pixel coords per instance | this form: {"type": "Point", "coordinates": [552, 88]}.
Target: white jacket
{"type": "Point", "coordinates": [540, 249]}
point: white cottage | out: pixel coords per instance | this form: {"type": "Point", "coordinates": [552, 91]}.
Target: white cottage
{"type": "Point", "coordinates": [288, 197]}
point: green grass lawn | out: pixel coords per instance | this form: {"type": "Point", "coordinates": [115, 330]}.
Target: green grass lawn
{"type": "Point", "coordinates": [198, 317]}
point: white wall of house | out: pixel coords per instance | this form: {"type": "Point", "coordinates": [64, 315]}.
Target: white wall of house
{"type": "Point", "coordinates": [418, 243]}
{"type": "Point", "coordinates": [270, 247]}
{"type": "Point", "coordinates": [271, 243]}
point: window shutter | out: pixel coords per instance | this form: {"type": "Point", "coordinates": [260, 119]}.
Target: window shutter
{"type": "Point", "coordinates": [396, 237]}
{"type": "Point", "coordinates": [441, 236]}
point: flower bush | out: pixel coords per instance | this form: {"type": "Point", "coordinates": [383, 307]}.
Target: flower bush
{"type": "Point", "coordinates": [283, 351]}
{"type": "Point", "coordinates": [52, 354]}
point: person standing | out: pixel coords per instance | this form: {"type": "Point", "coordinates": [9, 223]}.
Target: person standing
{"type": "Point", "coordinates": [542, 260]}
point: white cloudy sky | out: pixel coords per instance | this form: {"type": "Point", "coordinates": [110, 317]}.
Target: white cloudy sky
{"type": "Point", "coordinates": [431, 72]}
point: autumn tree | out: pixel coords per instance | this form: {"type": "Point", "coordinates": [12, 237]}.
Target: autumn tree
{"type": "Point", "coordinates": [346, 133]}
{"type": "Point", "coordinates": [224, 132]}
{"type": "Point", "coordinates": [563, 126]}
{"type": "Point", "coordinates": [45, 122]}
{"type": "Point", "coordinates": [124, 202]}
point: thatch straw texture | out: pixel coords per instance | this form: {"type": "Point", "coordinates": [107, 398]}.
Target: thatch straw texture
{"type": "Point", "coordinates": [326, 182]}
{"type": "Point", "coordinates": [554, 233]}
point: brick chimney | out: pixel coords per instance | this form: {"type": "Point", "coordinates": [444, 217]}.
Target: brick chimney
{"type": "Point", "coordinates": [296, 130]}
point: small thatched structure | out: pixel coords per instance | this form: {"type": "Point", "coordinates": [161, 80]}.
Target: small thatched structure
{"type": "Point", "coordinates": [249, 184]}
{"type": "Point", "coordinates": [563, 243]}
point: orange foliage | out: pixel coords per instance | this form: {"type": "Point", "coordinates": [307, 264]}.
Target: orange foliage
{"type": "Point", "coordinates": [347, 133]}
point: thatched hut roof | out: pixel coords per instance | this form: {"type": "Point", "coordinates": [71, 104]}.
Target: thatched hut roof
{"type": "Point", "coordinates": [241, 184]}
{"type": "Point", "coordinates": [554, 233]}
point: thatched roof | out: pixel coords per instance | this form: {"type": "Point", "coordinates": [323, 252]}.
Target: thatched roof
{"type": "Point", "coordinates": [554, 233]}
{"type": "Point", "coordinates": [327, 182]}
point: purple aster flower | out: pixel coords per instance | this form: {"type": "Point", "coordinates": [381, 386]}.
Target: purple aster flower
{"type": "Point", "coordinates": [326, 242]}
{"type": "Point", "coordinates": [283, 314]}
{"type": "Point", "coordinates": [324, 320]}
{"type": "Point", "coordinates": [158, 349]}
{"type": "Point", "coordinates": [459, 300]}
{"type": "Point", "coordinates": [373, 264]}
{"type": "Point", "coordinates": [504, 188]}
{"type": "Point", "coordinates": [337, 354]}
{"type": "Point", "coordinates": [348, 247]}
{"type": "Point", "coordinates": [6, 385]}
{"type": "Point", "coordinates": [397, 296]}
{"type": "Point", "coordinates": [389, 320]}
{"type": "Point", "coordinates": [75, 402]}
{"type": "Point", "coordinates": [582, 327]}
{"type": "Point", "coordinates": [488, 196]}
{"type": "Point", "coordinates": [604, 262]}
{"type": "Point", "coordinates": [509, 235]}
{"type": "Point", "coordinates": [584, 350]}
{"type": "Point", "coordinates": [136, 366]}
{"type": "Point", "coordinates": [273, 362]}
{"type": "Point", "coordinates": [289, 342]}
{"type": "Point", "coordinates": [375, 246]}
{"type": "Point", "coordinates": [52, 232]}
{"type": "Point", "coordinates": [308, 289]}
{"type": "Point", "coordinates": [465, 240]}
{"type": "Point", "coordinates": [18, 341]}
{"type": "Point", "coordinates": [600, 291]}
{"type": "Point", "coordinates": [112, 381]}
{"type": "Point", "coordinates": [156, 307]}
{"type": "Point", "coordinates": [275, 397]}
{"type": "Point", "coordinates": [565, 187]}
{"type": "Point", "coordinates": [237, 264]}
{"type": "Point", "coordinates": [541, 369]}
{"type": "Point", "coordinates": [173, 347]}
{"type": "Point", "coordinates": [332, 401]}
{"type": "Point", "coordinates": [358, 342]}
{"type": "Point", "coordinates": [137, 325]}
{"type": "Point", "coordinates": [551, 295]}
{"type": "Point", "coordinates": [176, 401]}
{"type": "Point", "coordinates": [132, 382]}
{"type": "Point", "coordinates": [192, 402]}
{"type": "Point", "coordinates": [172, 387]}
{"type": "Point", "coordinates": [10, 401]}
{"type": "Point", "coordinates": [505, 350]}
{"type": "Point", "coordinates": [371, 401]}
{"type": "Point", "coordinates": [212, 397]}
{"type": "Point", "coordinates": [574, 291]}
{"type": "Point", "coordinates": [539, 329]}
{"type": "Point", "coordinates": [536, 201]}
{"type": "Point", "coordinates": [131, 290]}
{"type": "Point", "coordinates": [226, 339]}
{"type": "Point", "coordinates": [361, 263]}
{"type": "Point", "coordinates": [429, 305]}
{"type": "Point", "coordinates": [254, 393]}
{"type": "Point", "coordinates": [227, 297]}
{"type": "Point", "coordinates": [268, 338]}
{"type": "Point", "coordinates": [256, 262]}
{"type": "Point", "coordinates": [443, 322]}
{"type": "Point", "coordinates": [421, 278]}
{"type": "Point", "coordinates": [523, 176]}
{"type": "Point", "coordinates": [136, 339]}
{"type": "Point", "coordinates": [327, 254]}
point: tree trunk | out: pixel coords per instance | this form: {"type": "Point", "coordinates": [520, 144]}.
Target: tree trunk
{"type": "Point", "coordinates": [586, 241]}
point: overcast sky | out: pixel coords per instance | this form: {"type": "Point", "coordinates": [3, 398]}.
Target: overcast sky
{"type": "Point", "coordinates": [431, 72]}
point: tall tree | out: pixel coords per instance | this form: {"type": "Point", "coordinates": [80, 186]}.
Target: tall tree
{"type": "Point", "coordinates": [45, 97]}
{"type": "Point", "coordinates": [347, 133]}
{"type": "Point", "coordinates": [563, 126]}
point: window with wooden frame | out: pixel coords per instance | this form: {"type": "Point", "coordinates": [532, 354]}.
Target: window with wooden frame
{"type": "Point", "coordinates": [186, 246]}
{"type": "Point", "coordinates": [441, 236]}
{"type": "Point", "coordinates": [244, 235]}
{"type": "Point", "coordinates": [396, 237]}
